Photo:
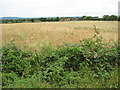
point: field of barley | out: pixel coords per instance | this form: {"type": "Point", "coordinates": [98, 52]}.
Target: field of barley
{"type": "Point", "coordinates": [40, 34]}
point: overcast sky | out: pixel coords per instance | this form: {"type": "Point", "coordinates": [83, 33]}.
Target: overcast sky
{"type": "Point", "coordinates": [51, 8]}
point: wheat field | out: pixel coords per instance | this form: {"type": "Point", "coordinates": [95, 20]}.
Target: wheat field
{"type": "Point", "coordinates": [40, 34]}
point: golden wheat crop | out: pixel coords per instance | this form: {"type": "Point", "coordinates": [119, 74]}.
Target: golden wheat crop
{"type": "Point", "coordinates": [56, 33]}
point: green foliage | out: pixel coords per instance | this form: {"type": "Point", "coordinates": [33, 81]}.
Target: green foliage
{"type": "Point", "coordinates": [110, 18]}
{"type": "Point", "coordinates": [17, 61]}
{"type": "Point", "coordinates": [87, 64]}
{"type": "Point", "coordinates": [8, 78]}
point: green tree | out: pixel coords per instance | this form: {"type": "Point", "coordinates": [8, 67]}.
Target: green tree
{"type": "Point", "coordinates": [113, 17]}
{"type": "Point", "coordinates": [32, 20]}
{"type": "Point", "coordinates": [119, 18]}
{"type": "Point", "coordinates": [106, 17]}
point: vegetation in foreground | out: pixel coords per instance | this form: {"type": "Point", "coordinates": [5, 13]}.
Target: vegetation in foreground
{"type": "Point", "coordinates": [90, 64]}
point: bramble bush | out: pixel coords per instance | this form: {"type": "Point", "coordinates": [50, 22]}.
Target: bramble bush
{"type": "Point", "coordinates": [18, 62]}
{"type": "Point", "coordinates": [70, 65]}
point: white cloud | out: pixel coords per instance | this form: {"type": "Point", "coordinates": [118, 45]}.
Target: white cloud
{"type": "Point", "coordinates": [46, 8]}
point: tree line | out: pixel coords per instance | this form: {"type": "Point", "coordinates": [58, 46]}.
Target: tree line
{"type": "Point", "coordinates": [56, 19]}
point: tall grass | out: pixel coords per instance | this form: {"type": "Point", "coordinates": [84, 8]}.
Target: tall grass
{"type": "Point", "coordinates": [36, 35]}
